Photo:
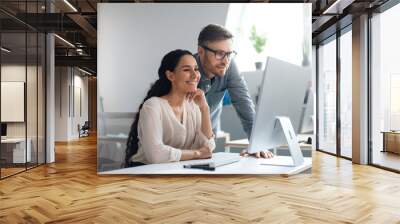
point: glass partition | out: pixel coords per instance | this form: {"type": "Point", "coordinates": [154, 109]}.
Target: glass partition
{"type": "Point", "coordinates": [13, 105]}
{"type": "Point", "coordinates": [22, 88]}
{"type": "Point", "coordinates": [385, 89]}
{"type": "Point", "coordinates": [327, 96]}
{"type": "Point", "coordinates": [31, 100]}
{"type": "Point", "coordinates": [346, 94]}
{"type": "Point", "coordinates": [41, 87]}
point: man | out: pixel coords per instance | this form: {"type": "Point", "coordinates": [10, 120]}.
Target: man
{"type": "Point", "coordinates": [219, 73]}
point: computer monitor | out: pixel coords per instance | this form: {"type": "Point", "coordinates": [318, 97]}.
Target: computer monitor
{"type": "Point", "coordinates": [280, 107]}
{"type": "Point", "coordinates": [3, 129]}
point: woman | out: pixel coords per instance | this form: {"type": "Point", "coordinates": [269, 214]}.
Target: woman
{"type": "Point", "coordinates": [173, 122]}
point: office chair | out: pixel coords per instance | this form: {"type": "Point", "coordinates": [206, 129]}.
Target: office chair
{"type": "Point", "coordinates": [84, 130]}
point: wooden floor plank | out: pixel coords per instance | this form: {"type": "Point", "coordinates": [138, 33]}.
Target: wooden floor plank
{"type": "Point", "coordinates": [70, 191]}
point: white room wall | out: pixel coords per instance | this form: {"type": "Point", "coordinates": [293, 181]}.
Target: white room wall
{"type": "Point", "coordinates": [133, 38]}
{"type": "Point", "coordinates": [33, 126]}
{"type": "Point", "coordinates": [61, 103]}
{"type": "Point", "coordinates": [67, 79]}
{"type": "Point", "coordinates": [12, 73]}
{"type": "Point", "coordinates": [80, 82]}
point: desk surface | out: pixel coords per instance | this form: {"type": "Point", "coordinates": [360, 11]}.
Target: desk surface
{"type": "Point", "coordinates": [246, 165]}
{"type": "Point", "coordinates": [13, 140]}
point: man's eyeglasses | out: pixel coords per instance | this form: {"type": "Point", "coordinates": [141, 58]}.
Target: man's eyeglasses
{"type": "Point", "coordinates": [220, 55]}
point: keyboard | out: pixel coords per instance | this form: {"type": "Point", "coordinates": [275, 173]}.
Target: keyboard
{"type": "Point", "coordinates": [218, 159]}
{"type": "Point", "coordinates": [224, 158]}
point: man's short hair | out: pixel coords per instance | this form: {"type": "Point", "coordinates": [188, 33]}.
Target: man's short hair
{"type": "Point", "coordinates": [213, 32]}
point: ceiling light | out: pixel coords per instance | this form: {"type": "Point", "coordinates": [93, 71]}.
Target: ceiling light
{"type": "Point", "coordinates": [84, 71]}
{"type": "Point", "coordinates": [5, 50]}
{"type": "Point", "coordinates": [65, 41]}
{"type": "Point", "coordinates": [70, 5]}
{"type": "Point", "coordinates": [338, 6]}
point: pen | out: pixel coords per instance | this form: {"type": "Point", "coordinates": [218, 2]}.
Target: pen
{"type": "Point", "coordinates": [200, 166]}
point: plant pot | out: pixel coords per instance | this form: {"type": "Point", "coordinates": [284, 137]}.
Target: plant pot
{"type": "Point", "coordinates": [258, 65]}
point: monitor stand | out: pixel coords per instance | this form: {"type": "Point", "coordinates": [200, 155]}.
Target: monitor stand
{"type": "Point", "coordinates": [287, 130]}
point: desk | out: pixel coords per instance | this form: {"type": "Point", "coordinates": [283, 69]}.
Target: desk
{"type": "Point", "coordinates": [246, 165]}
{"type": "Point", "coordinates": [16, 151]}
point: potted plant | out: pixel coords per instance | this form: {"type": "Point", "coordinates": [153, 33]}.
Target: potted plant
{"type": "Point", "coordinates": [258, 42]}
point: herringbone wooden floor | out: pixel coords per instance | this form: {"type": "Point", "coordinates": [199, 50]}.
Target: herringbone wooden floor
{"type": "Point", "coordinates": [70, 191]}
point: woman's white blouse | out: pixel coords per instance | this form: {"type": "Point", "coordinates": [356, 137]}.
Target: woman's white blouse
{"type": "Point", "coordinates": [162, 137]}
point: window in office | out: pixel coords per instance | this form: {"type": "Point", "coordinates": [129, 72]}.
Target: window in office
{"type": "Point", "coordinates": [327, 96]}
{"type": "Point", "coordinates": [287, 40]}
{"type": "Point", "coordinates": [385, 87]}
{"type": "Point", "coordinates": [346, 94]}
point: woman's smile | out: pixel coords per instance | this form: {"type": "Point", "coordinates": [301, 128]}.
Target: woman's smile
{"type": "Point", "coordinates": [191, 82]}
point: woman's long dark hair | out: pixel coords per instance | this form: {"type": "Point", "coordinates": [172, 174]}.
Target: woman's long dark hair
{"type": "Point", "coordinates": [160, 88]}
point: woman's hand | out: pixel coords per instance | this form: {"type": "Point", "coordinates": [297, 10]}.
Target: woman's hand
{"type": "Point", "coordinates": [199, 98]}
{"type": "Point", "coordinates": [203, 153]}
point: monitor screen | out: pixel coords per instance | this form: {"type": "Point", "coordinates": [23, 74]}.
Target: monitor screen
{"type": "Point", "coordinates": [283, 92]}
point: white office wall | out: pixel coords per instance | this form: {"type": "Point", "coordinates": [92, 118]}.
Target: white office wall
{"type": "Point", "coordinates": [133, 38]}
{"type": "Point", "coordinates": [12, 101]}
{"type": "Point", "coordinates": [82, 82]}
{"type": "Point", "coordinates": [61, 103]}
{"type": "Point", "coordinates": [33, 125]}
{"type": "Point", "coordinates": [14, 72]}
{"type": "Point", "coordinates": [80, 109]}
{"type": "Point", "coordinates": [67, 81]}
{"type": "Point", "coordinates": [17, 73]}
